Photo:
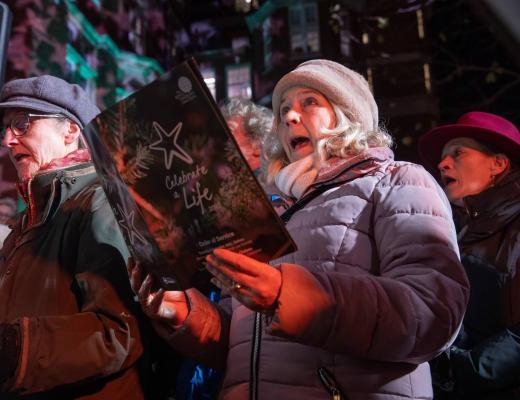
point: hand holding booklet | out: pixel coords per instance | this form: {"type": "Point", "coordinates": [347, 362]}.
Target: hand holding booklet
{"type": "Point", "coordinates": [177, 183]}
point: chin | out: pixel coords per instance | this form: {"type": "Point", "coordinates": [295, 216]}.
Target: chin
{"type": "Point", "coordinates": [26, 173]}
{"type": "Point", "coordinates": [24, 176]}
{"type": "Point", "coordinates": [456, 200]}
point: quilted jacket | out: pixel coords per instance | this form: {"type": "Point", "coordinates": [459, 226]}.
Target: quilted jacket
{"type": "Point", "coordinates": [373, 292]}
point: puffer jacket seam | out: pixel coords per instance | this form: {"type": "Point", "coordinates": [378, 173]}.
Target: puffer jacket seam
{"type": "Point", "coordinates": [374, 329]}
{"type": "Point", "coordinates": [397, 212]}
{"type": "Point", "coordinates": [402, 184]}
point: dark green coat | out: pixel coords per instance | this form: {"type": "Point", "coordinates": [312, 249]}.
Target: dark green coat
{"type": "Point", "coordinates": [63, 280]}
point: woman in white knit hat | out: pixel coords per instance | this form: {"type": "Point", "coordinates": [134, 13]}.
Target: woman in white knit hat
{"type": "Point", "coordinates": [375, 289]}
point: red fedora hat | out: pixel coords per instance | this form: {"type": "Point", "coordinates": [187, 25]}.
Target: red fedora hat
{"type": "Point", "coordinates": [484, 127]}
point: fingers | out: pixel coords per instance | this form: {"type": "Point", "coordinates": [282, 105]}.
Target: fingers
{"type": "Point", "coordinates": [150, 302]}
{"type": "Point", "coordinates": [130, 264]}
{"type": "Point", "coordinates": [150, 298]}
{"type": "Point", "coordinates": [225, 271]}
{"type": "Point", "coordinates": [232, 268]}
{"type": "Point", "coordinates": [220, 271]}
{"type": "Point", "coordinates": [145, 290]}
{"type": "Point", "coordinates": [220, 285]}
{"type": "Point", "coordinates": [154, 303]}
{"type": "Point", "coordinates": [240, 262]}
{"type": "Point", "coordinates": [255, 284]}
{"type": "Point", "coordinates": [134, 274]}
{"type": "Point", "coordinates": [169, 307]}
{"type": "Point", "coordinates": [136, 279]}
{"type": "Point", "coordinates": [226, 276]}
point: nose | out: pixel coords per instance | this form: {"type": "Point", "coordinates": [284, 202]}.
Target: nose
{"type": "Point", "coordinates": [445, 163]}
{"type": "Point", "coordinates": [9, 139]}
{"type": "Point", "coordinates": [292, 117]}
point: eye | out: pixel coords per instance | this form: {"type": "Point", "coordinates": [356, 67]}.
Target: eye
{"type": "Point", "coordinates": [309, 101]}
{"type": "Point", "coordinates": [284, 110]}
{"type": "Point", "coordinates": [20, 123]}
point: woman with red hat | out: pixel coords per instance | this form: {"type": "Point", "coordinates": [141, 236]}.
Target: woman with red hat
{"type": "Point", "coordinates": [478, 163]}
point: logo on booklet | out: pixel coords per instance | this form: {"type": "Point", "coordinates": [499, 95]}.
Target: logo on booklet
{"type": "Point", "coordinates": [184, 84]}
{"type": "Point", "coordinates": [185, 92]}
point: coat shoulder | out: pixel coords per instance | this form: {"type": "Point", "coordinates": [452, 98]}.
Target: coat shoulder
{"type": "Point", "coordinates": [401, 173]}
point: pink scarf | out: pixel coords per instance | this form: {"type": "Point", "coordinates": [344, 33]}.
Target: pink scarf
{"type": "Point", "coordinates": [75, 157]}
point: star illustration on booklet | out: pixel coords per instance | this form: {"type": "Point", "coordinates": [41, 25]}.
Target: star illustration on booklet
{"type": "Point", "coordinates": [177, 182]}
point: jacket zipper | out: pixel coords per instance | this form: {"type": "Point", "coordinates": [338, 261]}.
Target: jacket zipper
{"type": "Point", "coordinates": [255, 357]}
{"type": "Point", "coordinates": [26, 193]}
{"type": "Point", "coordinates": [330, 384]}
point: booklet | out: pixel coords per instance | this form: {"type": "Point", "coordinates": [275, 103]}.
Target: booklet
{"type": "Point", "coordinates": [177, 182]}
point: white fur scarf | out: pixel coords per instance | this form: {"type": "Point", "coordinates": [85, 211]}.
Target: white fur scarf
{"type": "Point", "coordinates": [294, 179]}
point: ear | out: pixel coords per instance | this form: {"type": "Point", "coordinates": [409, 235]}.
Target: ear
{"type": "Point", "coordinates": [73, 132]}
{"type": "Point", "coordinates": [500, 164]}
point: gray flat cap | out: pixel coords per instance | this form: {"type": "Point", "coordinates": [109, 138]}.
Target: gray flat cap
{"type": "Point", "coordinates": [48, 94]}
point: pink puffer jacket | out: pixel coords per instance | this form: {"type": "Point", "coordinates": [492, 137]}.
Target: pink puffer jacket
{"type": "Point", "coordinates": [374, 291]}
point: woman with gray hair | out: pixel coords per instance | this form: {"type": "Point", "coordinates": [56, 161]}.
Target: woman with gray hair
{"type": "Point", "coordinates": [250, 124]}
{"type": "Point", "coordinates": [375, 288]}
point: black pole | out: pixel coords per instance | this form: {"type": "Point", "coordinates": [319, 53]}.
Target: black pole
{"type": "Point", "coordinates": [5, 31]}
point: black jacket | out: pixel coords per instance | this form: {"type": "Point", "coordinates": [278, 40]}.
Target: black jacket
{"type": "Point", "coordinates": [485, 358]}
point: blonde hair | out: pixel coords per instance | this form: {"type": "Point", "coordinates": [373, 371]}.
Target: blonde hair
{"type": "Point", "coordinates": [345, 140]}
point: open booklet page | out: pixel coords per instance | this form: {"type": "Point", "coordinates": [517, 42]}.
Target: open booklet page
{"type": "Point", "coordinates": [177, 183]}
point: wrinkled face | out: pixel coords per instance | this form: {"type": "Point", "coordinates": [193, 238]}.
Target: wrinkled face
{"type": "Point", "coordinates": [249, 147]}
{"type": "Point", "coordinates": [43, 142]}
{"type": "Point", "coordinates": [465, 170]}
{"type": "Point", "coordinates": [304, 113]}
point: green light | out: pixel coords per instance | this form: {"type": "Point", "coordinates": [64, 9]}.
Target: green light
{"type": "Point", "coordinates": [105, 42]}
{"type": "Point", "coordinates": [73, 57]}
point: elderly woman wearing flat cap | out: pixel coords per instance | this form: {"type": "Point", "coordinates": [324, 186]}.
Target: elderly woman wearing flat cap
{"type": "Point", "coordinates": [375, 288]}
{"type": "Point", "coordinates": [478, 163]}
{"type": "Point", "coordinates": [68, 326]}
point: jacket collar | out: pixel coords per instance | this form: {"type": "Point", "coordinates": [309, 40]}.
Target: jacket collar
{"type": "Point", "coordinates": [44, 192]}
{"type": "Point", "coordinates": [336, 171]}
{"type": "Point", "coordinates": [343, 169]}
{"type": "Point", "coordinates": [491, 210]}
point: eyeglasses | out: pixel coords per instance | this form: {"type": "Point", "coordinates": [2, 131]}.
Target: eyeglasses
{"type": "Point", "coordinates": [20, 123]}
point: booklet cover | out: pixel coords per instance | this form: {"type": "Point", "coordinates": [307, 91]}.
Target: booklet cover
{"type": "Point", "coordinates": [177, 182]}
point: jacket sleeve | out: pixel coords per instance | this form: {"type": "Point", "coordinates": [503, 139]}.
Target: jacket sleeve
{"type": "Point", "coordinates": [491, 365]}
{"type": "Point", "coordinates": [410, 307]}
{"type": "Point", "coordinates": [204, 336]}
{"type": "Point", "coordinates": [101, 335]}
{"type": "Point", "coordinates": [494, 362]}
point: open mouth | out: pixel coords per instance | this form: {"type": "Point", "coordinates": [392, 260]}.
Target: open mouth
{"type": "Point", "coordinates": [299, 142]}
{"type": "Point", "coordinates": [448, 180]}
{"type": "Point", "coordinates": [19, 157]}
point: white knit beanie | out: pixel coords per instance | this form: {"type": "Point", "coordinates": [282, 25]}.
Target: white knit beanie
{"type": "Point", "coordinates": [339, 84]}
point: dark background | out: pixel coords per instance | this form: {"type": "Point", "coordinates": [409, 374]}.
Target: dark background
{"type": "Point", "coordinates": [428, 61]}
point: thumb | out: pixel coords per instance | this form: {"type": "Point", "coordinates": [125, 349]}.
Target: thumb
{"type": "Point", "coordinates": [166, 312]}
